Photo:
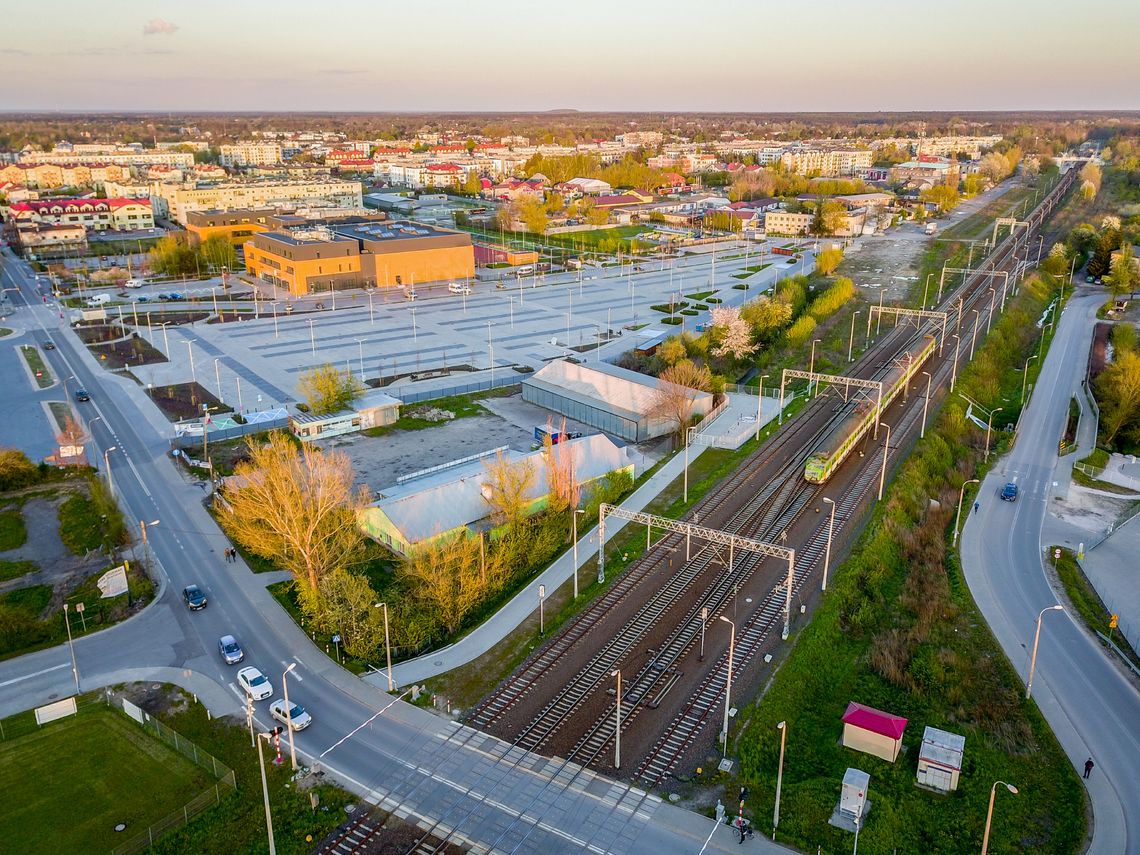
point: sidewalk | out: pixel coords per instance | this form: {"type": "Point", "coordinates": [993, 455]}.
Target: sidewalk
{"type": "Point", "coordinates": [525, 603]}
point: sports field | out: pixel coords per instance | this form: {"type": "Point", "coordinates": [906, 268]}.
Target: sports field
{"type": "Point", "coordinates": [69, 783]}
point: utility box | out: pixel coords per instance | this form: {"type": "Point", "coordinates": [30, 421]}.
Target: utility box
{"type": "Point", "coordinates": [940, 759]}
{"type": "Point", "coordinates": [853, 796]}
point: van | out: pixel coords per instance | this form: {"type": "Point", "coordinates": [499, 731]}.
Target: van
{"type": "Point", "coordinates": [98, 299]}
{"type": "Point", "coordinates": [459, 288]}
{"type": "Point", "coordinates": [410, 295]}
{"type": "Point", "coordinates": [134, 283]}
{"type": "Point", "coordinates": [525, 271]}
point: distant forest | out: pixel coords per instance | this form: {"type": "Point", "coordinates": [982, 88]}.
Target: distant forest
{"type": "Point", "coordinates": [559, 126]}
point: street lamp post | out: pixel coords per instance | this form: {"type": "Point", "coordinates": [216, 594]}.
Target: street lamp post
{"type": "Point", "coordinates": [989, 425]}
{"type": "Point", "coordinates": [71, 646]}
{"type": "Point", "coordinates": [289, 713]}
{"type": "Point", "coordinates": [974, 337]}
{"type": "Point", "coordinates": [1025, 377]}
{"type": "Point", "coordinates": [107, 466]}
{"type": "Point", "coordinates": [811, 368]}
{"type": "Point", "coordinates": [190, 348]}
{"type": "Point", "coordinates": [990, 812]}
{"type": "Point", "coordinates": [265, 795]}
{"type": "Point", "coordinates": [728, 679]}
{"type": "Point", "coordinates": [1037, 637]}
{"type": "Point", "coordinates": [990, 316]}
{"type": "Point", "coordinates": [387, 644]}
{"type": "Point", "coordinates": [685, 489]}
{"type": "Point", "coordinates": [851, 337]}
{"type": "Point", "coordinates": [961, 495]}
{"type": "Point", "coordinates": [577, 511]}
{"type": "Point", "coordinates": [886, 451]}
{"type": "Point", "coordinates": [783, 728]}
{"type": "Point", "coordinates": [827, 552]}
{"type": "Point", "coordinates": [926, 290]}
{"type": "Point", "coordinates": [925, 404]}
{"type": "Point", "coordinates": [360, 345]}
{"type": "Point", "coordinates": [954, 364]}
{"type": "Point", "coordinates": [312, 338]}
{"type": "Point", "coordinates": [760, 406]}
{"type": "Point", "coordinates": [617, 721]}
{"type": "Point", "coordinates": [218, 379]}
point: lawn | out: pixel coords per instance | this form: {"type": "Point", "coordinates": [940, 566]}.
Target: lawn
{"type": "Point", "coordinates": [13, 534]}
{"type": "Point", "coordinates": [81, 525]}
{"type": "Point", "coordinates": [68, 783]}
{"type": "Point", "coordinates": [15, 569]}
{"type": "Point", "coordinates": [184, 401]}
{"type": "Point", "coordinates": [35, 361]}
{"type": "Point", "coordinates": [127, 352]}
{"type": "Point", "coordinates": [61, 411]}
{"type": "Point", "coordinates": [462, 406]}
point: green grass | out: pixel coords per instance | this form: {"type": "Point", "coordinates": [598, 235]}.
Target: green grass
{"type": "Point", "coordinates": [750, 270]}
{"type": "Point", "coordinates": [237, 825]}
{"type": "Point", "coordinates": [15, 569]}
{"type": "Point", "coordinates": [669, 308]}
{"type": "Point", "coordinates": [13, 534]}
{"type": "Point", "coordinates": [67, 784]}
{"type": "Point", "coordinates": [1098, 459]}
{"type": "Point", "coordinates": [80, 525]}
{"type": "Point", "coordinates": [61, 411]}
{"type": "Point", "coordinates": [35, 362]}
{"type": "Point", "coordinates": [1084, 598]}
{"type": "Point", "coordinates": [700, 295]}
{"type": "Point", "coordinates": [1084, 480]}
{"type": "Point", "coordinates": [4, 331]}
{"type": "Point", "coordinates": [33, 599]}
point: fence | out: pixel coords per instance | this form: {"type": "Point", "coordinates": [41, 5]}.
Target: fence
{"type": "Point", "coordinates": [189, 433]}
{"type": "Point", "coordinates": [508, 378]}
{"type": "Point", "coordinates": [451, 464]}
{"type": "Point", "coordinates": [226, 781]}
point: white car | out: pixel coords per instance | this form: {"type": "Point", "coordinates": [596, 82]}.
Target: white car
{"type": "Point", "coordinates": [254, 683]}
{"type": "Point", "coordinates": [300, 718]}
{"type": "Point", "coordinates": [134, 283]}
{"type": "Point", "coordinates": [459, 288]}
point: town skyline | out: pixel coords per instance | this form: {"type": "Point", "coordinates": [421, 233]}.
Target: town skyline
{"type": "Point", "coordinates": [642, 58]}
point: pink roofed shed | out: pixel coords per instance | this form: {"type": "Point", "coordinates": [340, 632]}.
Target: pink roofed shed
{"type": "Point", "coordinates": [873, 731]}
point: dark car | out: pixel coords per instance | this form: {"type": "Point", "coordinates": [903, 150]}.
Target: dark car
{"type": "Point", "coordinates": [1009, 492]}
{"type": "Point", "coordinates": [194, 597]}
{"type": "Point", "coordinates": [82, 395]}
{"type": "Point", "coordinates": [49, 345]}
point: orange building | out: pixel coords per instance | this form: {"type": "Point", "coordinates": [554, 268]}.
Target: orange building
{"type": "Point", "coordinates": [237, 226]}
{"type": "Point", "coordinates": [359, 255]}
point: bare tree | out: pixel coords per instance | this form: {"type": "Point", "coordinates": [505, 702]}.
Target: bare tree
{"type": "Point", "coordinates": [296, 508]}
{"type": "Point", "coordinates": [561, 477]}
{"type": "Point", "coordinates": [673, 399]}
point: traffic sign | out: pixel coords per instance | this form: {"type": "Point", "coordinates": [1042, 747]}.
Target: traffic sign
{"type": "Point", "coordinates": [1113, 621]}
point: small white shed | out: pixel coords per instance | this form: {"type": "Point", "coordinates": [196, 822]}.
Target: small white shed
{"type": "Point", "coordinates": [853, 796]}
{"type": "Point", "coordinates": [940, 760]}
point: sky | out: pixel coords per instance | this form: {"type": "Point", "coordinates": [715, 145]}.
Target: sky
{"type": "Point", "coordinates": [498, 55]}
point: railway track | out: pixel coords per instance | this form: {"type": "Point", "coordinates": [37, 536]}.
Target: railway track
{"type": "Point", "coordinates": [737, 505]}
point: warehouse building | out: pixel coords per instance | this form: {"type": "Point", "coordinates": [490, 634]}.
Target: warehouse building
{"type": "Point", "coordinates": [443, 504]}
{"type": "Point", "coordinates": [339, 255]}
{"type": "Point", "coordinates": [615, 400]}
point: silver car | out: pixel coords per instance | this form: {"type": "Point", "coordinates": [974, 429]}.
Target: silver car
{"type": "Point", "coordinates": [299, 718]}
{"type": "Point", "coordinates": [231, 651]}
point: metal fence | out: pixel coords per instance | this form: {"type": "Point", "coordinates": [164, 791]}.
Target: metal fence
{"type": "Point", "coordinates": [226, 782]}
{"type": "Point", "coordinates": [187, 438]}
{"type": "Point", "coordinates": [508, 377]}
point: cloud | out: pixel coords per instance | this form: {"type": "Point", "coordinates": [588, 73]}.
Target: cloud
{"type": "Point", "coordinates": [157, 26]}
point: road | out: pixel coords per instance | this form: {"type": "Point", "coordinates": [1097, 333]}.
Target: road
{"type": "Point", "coordinates": [1092, 707]}
{"type": "Point", "coordinates": [407, 758]}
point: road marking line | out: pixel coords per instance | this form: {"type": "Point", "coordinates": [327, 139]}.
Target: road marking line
{"type": "Point", "coordinates": [35, 674]}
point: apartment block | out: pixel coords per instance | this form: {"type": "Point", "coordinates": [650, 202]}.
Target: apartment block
{"type": "Point", "coordinates": [249, 154]}
{"type": "Point", "coordinates": [177, 200]}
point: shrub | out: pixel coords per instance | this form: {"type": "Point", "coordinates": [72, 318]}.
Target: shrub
{"type": "Point", "coordinates": [16, 470]}
{"type": "Point", "coordinates": [800, 331]}
{"type": "Point", "coordinates": [833, 299]}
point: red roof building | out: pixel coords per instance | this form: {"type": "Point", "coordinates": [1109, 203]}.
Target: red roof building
{"type": "Point", "coordinates": [873, 731]}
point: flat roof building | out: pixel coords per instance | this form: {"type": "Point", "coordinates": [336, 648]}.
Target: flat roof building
{"type": "Point", "coordinates": [612, 399]}
{"type": "Point", "coordinates": [359, 254]}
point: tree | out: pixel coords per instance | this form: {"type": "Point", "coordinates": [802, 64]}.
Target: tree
{"type": "Point", "coordinates": [596, 216]}
{"type": "Point", "coordinates": [995, 167]}
{"type": "Point", "coordinates": [733, 332]}
{"type": "Point", "coordinates": [327, 389]}
{"type": "Point", "coordinates": [1107, 244]}
{"type": "Point", "coordinates": [473, 186]}
{"type": "Point", "coordinates": [828, 217]}
{"type": "Point", "coordinates": [828, 260]}
{"type": "Point", "coordinates": [531, 211]}
{"type": "Point", "coordinates": [347, 608]}
{"type": "Point", "coordinates": [217, 252]}
{"type": "Point", "coordinates": [1118, 391]}
{"type": "Point", "coordinates": [16, 470]}
{"type": "Point", "coordinates": [672, 400]}
{"type": "Point", "coordinates": [767, 317]}
{"type": "Point", "coordinates": [944, 197]}
{"type": "Point", "coordinates": [447, 577]}
{"type": "Point", "coordinates": [1123, 274]}
{"type": "Point", "coordinates": [296, 508]}
{"type": "Point", "coordinates": [563, 489]}
{"type": "Point", "coordinates": [505, 488]}
{"type": "Point", "coordinates": [1090, 174]}
{"type": "Point", "coordinates": [672, 350]}
{"type": "Point", "coordinates": [173, 256]}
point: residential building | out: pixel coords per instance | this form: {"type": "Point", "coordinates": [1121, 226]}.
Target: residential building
{"type": "Point", "coordinates": [46, 176]}
{"type": "Point", "coordinates": [177, 200]}
{"type": "Point", "coordinates": [94, 214]}
{"type": "Point", "coordinates": [249, 154]}
{"type": "Point", "coordinates": [119, 156]}
{"type": "Point", "coordinates": [927, 171]}
{"type": "Point", "coordinates": [796, 223]}
{"type": "Point", "coordinates": [812, 160]}
{"type": "Point", "coordinates": [946, 146]}
{"type": "Point", "coordinates": [354, 255]}
{"type": "Point", "coordinates": [238, 226]}
{"type": "Point", "coordinates": [44, 240]}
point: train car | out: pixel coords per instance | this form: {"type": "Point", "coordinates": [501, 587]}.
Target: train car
{"type": "Point", "coordinates": [842, 439]}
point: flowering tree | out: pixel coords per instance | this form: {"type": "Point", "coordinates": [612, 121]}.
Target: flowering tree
{"type": "Point", "coordinates": [733, 332]}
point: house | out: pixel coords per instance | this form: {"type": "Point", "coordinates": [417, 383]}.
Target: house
{"type": "Point", "coordinates": [372, 409]}
{"type": "Point", "coordinates": [627, 197]}
{"type": "Point", "coordinates": [873, 731]}
{"type": "Point", "coordinates": [453, 502]}
{"type": "Point", "coordinates": [927, 171]}
{"type": "Point", "coordinates": [589, 186]}
{"type": "Point", "coordinates": [514, 188]}
{"type": "Point", "coordinates": [940, 759]}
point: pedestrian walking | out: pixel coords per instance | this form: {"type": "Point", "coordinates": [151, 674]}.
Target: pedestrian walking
{"type": "Point", "coordinates": [1089, 766]}
{"type": "Point", "coordinates": [976, 506]}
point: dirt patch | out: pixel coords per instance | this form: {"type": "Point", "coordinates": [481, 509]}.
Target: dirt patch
{"type": "Point", "coordinates": [184, 401]}
{"type": "Point", "coordinates": [890, 263]}
{"type": "Point", "coordinates": [174, 318]}
{"type": "Point", "coordinates": [1089, 509]}
{"type": "Point", "coordinates": [100, 333]}
{"type": "Point", "coordinates": [127, 352]}
{"type": "Point", "coordinates": [1098, 354]}
{"type": "Point", "coordinates": [431, 414]}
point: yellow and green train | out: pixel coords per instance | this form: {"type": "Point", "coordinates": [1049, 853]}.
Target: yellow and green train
{"type": "Point", "coordinates": [841, 440]}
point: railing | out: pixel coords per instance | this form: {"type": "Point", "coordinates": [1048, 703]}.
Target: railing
{"type": "Point", "coordinates": [431, 470]}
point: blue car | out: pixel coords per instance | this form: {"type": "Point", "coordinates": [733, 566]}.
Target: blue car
{"type": "Point", "coordinates": [1009, 492]}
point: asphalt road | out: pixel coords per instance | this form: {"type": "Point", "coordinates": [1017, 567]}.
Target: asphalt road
{"type": "Point", "coordinates": [1092, 707]}
{"type": "Point", "coordinates": [400, 755]}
